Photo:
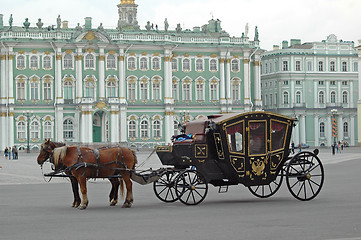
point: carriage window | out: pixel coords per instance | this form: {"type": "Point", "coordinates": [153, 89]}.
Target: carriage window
{"type": "Point", "coordinates": [257, 138]}
{"type": "Point", "coordinates": [278, 134]}
{"type": "Point", "coordinates": [235, 137]}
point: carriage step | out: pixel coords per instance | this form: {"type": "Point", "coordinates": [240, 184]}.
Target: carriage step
{"type": "Point", "coordinates": [223, 189]}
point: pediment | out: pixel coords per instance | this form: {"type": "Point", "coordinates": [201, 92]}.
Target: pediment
{"type": "Point", "coordinates": [92, 36]}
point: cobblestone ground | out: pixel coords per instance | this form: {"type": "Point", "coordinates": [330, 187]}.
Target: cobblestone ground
{"type": "Point", "coordinates": [25, 170]}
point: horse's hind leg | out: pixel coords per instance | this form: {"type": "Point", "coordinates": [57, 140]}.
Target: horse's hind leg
{"type": "Point", "coordinates": [113, 196]}
{"type": "Point", "coordinates": [129, 185]}
{"type": "Point", "coordinates": [83, 189]}
{"type": "Point", "coordinates": [75, 188]}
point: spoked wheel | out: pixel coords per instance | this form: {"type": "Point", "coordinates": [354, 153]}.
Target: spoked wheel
{"type": "Point", "coordinates": [191, 187]}
{"type": "Point", "coordinates": [164, 188]}
{"type": "Point", "coordinates": [265, 191]}
{"type": "Point", "coordinates": [305, 176]}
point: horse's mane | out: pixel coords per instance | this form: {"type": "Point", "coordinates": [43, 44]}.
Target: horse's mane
{"type": "Point", "coordinates": [58, 144]}
{"type": "Point", "coordinates": [58, 154]}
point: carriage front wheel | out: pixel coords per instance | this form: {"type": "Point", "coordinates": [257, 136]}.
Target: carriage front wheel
{"type": "Point", "coordinates": [164, 188]}
{"type": "Point", "coordinates": [191, 187]}
{"type": "Point", "coordinates": [305, 176]}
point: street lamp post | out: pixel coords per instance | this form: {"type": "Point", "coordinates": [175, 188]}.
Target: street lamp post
{"type": "Point", "coordinates": [28, 114]}
{"type": "Point", "coordinates": [334, 125]}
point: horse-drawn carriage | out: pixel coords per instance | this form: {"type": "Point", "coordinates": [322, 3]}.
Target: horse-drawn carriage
{"type": "Point", "coordinates": [222, 150]}
{"type": "Point", "coordinates": [228, 149]}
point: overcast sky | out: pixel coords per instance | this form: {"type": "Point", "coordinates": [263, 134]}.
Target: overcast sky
{"type": "Point", "coordinates": [277, 20]}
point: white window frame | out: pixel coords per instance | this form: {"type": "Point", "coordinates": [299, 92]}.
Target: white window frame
{"type": "Point", "coordinates": [21, 130]}
{"type": "Point", "coordinates": [132, 63]}
{"type": "Point", "coordinates": [90, 61]}
{"type": "Point", "coordinates": [144, 129]}
{"type": "Point", "coordinates": [200, 90]}
{"type": "Point", "coordinates": [321, 97]}
{"type": "Point", "coordinates": [184, 65]}
{"type": "Point", "coordinates": [50, 62]}
{"type": "Point", "coordinates": [156, 63]}
{"type": "Point", "coordinates": [132, 129]}
{"type": "Point", "coordinates": [157, 129]}
{"type": "Point", "coordinates": [68, 129]}
{"type": "Point", "coordinates": [34, 62]}
{"type": "Point", "coordinates": [22, 61]}
{"type": "Point", "coordinates": [111, 61]}
{"type": "Point", "coordinates": [143, 63]}
{"type": "Point", "coordinates": [48, 129]}
{"type": "Point", "coordinates": [235, 67]}
{"type": "Point", "coordinates": [213, 65]}
{"type": "Point", "coordinates": [34, 94]}
{"type": "Point", "coordinates": [199, 65]}
{"type": "Point", "coordinates": [174, 64]}
{"type": "Point", "coordinates": [68, 61]}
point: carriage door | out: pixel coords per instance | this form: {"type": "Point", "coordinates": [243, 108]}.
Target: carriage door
{"type": "Point", "coordinates": [257, 151]}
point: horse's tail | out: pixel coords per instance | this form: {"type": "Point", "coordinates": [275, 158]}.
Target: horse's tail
{"type": "Point", "coordinates": [121, 187]}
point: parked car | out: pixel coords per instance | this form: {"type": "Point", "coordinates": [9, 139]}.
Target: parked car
{"type": "Point", "coordinates": [304, 145]}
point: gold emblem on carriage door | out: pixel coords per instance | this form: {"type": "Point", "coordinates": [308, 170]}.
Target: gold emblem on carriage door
{"type": "Point", "coordinates": [258, 167]}
{"type": "Point", "coordinates": [201, 151]}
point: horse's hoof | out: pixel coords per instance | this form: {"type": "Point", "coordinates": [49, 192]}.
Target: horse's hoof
{"type": "Point", "coordinates": [82, 207]}
{"type": "Point", "coordinates": [113, 202]}
{"type": "Point", "coordinates": [127, 204]}
{"type": "Point", "coordinates": [75, 204]}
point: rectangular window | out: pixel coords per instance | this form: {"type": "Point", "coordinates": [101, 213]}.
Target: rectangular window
{"type": "Point", "coordinates": [355, 66]}
{"type": "Point", "coordinates": [131, 91]}
{"type": "Point", "coordinates": [175, 92]}
{"type": "Point", "coordinates": [187, 92]}
{"type": "Point", "coordinates": [21, 90]}
{"type": "Point", "coordinates": [285, 66]}
{"type": "Point", "coordinates": [344, 66]}
{"type": "Point", "coordinates": [309, 66]}
{"type": "Point", "coordinates": [332, 66]}
{"type": "Point", "coordinates": [285, 82]}
{"type": "Point", "coordinates": [298, 82]}
{"type": "Point", "coordinates": [333, 83]}
{"type": "Point", "coordinates": [47, 91]}
{"type": "Point", "coordinates": [199, 89]}
{"type": "Point", "coordinates": [156, 91]}
{"type": "Point", "coordinates": [298, 65]}
{"type": "Point", "coordinates": [320, 82]}
{"type": "Point", "coordinates": [34, 91]}
{"type": "Point", "coordinates": [344, 83]}
{"type": "Point", "coordinates": [320, 66]}
{"type": "Point", "coordinates": [257, 138]}
{"type": "Point", "coordinates": [214, 92]}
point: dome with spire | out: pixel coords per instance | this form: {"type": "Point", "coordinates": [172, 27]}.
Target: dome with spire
{"type": "Point", "coordinates": [127, 2]}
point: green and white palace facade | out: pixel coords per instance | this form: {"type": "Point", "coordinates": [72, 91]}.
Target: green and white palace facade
{"type": "Point", "coordinates": [124, 85]}
{"type": "Point", "coordinates": [314, 82]}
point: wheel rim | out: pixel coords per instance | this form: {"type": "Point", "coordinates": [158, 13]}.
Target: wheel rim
{"type": "Point", "coordinates": [305, 176]}
{"type": "Point", "coordinates": [191, 187]}
{"type": "Point", "coordinates": [164, 188]}
{"type": "Point", "coordinates": [265, 191]}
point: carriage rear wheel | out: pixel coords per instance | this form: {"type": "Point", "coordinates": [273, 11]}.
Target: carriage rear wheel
{"type": "Point", "coordinates": [305, 176]}
{"type": "Point", "coordinates": [265, 191]}
{"type": "Point", "coordinates": [191, 187]}
{"type": "Point", "coordinates": [164, 188]}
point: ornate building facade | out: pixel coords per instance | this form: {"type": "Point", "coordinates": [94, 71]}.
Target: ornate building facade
{"type": "Point", "coordinates": [125, 85]}
{"type": "Point", "coordinates": [317, 83]}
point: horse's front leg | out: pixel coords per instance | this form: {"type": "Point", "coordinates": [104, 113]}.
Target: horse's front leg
{"type": "Point", "coordinates": [75, 188]}
{"type": "Point", "coordinates": [83, 189]}
{"type": "Point", "coordinates": [113, 196]}
{"type": "Point", "coordinates": [129, 185]}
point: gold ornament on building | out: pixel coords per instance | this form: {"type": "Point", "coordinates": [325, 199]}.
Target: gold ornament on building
{"type": "Point", "coordinates": [101, 105]}
{"type": "Point", "coordinates": [90, 36]}
{"type": "Point", "coordinates": [127, 2]}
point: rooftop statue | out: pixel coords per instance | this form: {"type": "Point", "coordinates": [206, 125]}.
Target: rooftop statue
{"type": "Point", "coordinates": [11, 22]}
{"type": "Point", "coordinates": [256, 34]}
{"type": "Point", "coordinates": [39, 24]}
{"type": "Point", "coordinates": [26, 24]}
{"type": "Point", "coordinates": [58, 22]}
{"type": "Point", "coordinates": [166, 25]}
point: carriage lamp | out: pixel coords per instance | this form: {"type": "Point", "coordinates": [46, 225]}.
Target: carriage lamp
{"type": "Point", "coordinates": [28, 114]}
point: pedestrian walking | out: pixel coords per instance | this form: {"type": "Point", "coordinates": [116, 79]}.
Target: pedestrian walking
{"type": "Point", "coordinates": [293, 147]}
{"type": "Point", "coordinates": [339, 147]}
{"type": "Point", "coordinates": [333, 148]}
{"type": "Point", "coordinates": [9, 153]}
{"type": "Point", "coordinates": [300, 147]}
{"type": "Point", "coordinates": [16, 152]}
{"type": "Point", "coordinates": [6, 151]}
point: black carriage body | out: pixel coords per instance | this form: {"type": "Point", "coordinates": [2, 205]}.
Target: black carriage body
{"type": "Point", "coordinates": [229, 149]}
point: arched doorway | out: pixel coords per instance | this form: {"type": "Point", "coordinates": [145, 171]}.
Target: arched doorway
{"type": "Point", "coordinates": [100, 127]}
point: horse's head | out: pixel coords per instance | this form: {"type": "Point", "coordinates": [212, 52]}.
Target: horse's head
{"type": "Point", "coordinates": [46, 150]}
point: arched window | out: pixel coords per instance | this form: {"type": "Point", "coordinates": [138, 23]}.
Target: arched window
{"type": "Point", "coordinates": [156, 63]}
{"type": "Point", "coordinates": [143, 63]}
{"type": "Point", "coordinates": [174, 64]}
{"type": "Point", "coordinates": [111, 63]}
{"type": "Point", "coordinates": [132, 91]}
{"type": "Point", "coordinates": [332, 66]}
{"type": "Point", "coordinates": [132, 126]}
{"type": "Point", "coordinates": [333, 97]}
{"type": "Point", "coordinates": [111, 89]}
{"type": "Point", "coordinates": [236, 90]}
{"type": "Point", "coordinates": [48, 130]}
{"type": "Point", "coordinates": [34, 130]}
{"type": "Point", "coordinates": [20, 62]}
{"type": "Point", "coordinates": [344, 97]}
{"type": "Point", "coordinates": [235, 65]}
{"type": "Point", "coordinates": [321, 97]}
{"type": "Point", "coordinates": [68, 90]}
{"type": "Point", "coordinates": [68, 61]}
{"type": "Point", "coordinates": [34, 62]}
{"type": "Point", "coordinates": [89, 61]}
{"type": "Point", "coordinates": [89, 89]}
{"type": "Point", "coordinates": [68, 129]}
{"type": "Point", "coordinates": [298, 97]}
{"type": "Point", "coordinates": [131, 63]}
{"type": "Point", "coordinates": [322, 129]}
{"type": "Point", "coordinates": [186, 65]}
{"type": "Point", "coordinates": [156, 129]}
{"type": "Point", "coordinates": [213, 65]}
{"type": "Point", "coordinates": [199, 65]}
{"type": "Point", "coordinates": [47, 62]}
{"type": "Point", "coordinates": [21, 130]}
{"type": "Point", "coordinates": [345, 129]}
{"type": "Point", "coordinates": [285, 98]}
{"type": "Point", "coordinates": [144, 129]}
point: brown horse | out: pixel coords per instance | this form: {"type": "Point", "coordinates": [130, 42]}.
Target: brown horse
{"type": "Point", "coordinates": [81, 163]}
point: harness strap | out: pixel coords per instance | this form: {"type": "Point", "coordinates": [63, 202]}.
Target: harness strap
{"type": "Point", "coordinates": [97, 157]}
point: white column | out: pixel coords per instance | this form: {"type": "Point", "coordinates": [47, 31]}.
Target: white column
{"type": "Point", "coordinates": [79, 75]}
{"type": "Point", "coordinates": [339, 93]}
{"type": "Point", "coordinates": [3, 78]}
{"type": "Point", "coordinates": [114, 124]}
{"type": "Point", "coordinates": [222, 94]}
{"type": "Point", "coordinates": [327, 93]}
{"type": "Point", "coordinates": [168, 77]}
{"type": "Point", "coordinates": [257, 75]}
{"type": "Point", "coordinates": [11, 133]}
{"type": "Point", "coordinates": [351, 95]}
{"type": "Point", "coordinates": [228, 82]}
{"type": "Point", "coordinates": [352, 131]}
{"type": "Point", "coordinates": [316, 123]}
{"type": "Point", "coordinates": [247, 84]}
{"type": "Point", "coordinates": [101, 74]}
{"type": "Point", "coordinates": [59, 116]}
{"type": "Point", "coordinates": [11, 77]}
{"type": "Point", "coordinates": [123, 124]}
{"type": "Point", "coordinates": [58, 75]}
{"type": "Point", "coordinates": [329, 130]}
{"type": "Point", "coordinates": [315, 93]}
{"type": "Point", "coordinates": [292, 93]}
{"type": "Point", "coordinates": [122, 80]}
{"type": "Point", "coordinates": [303, 128]}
